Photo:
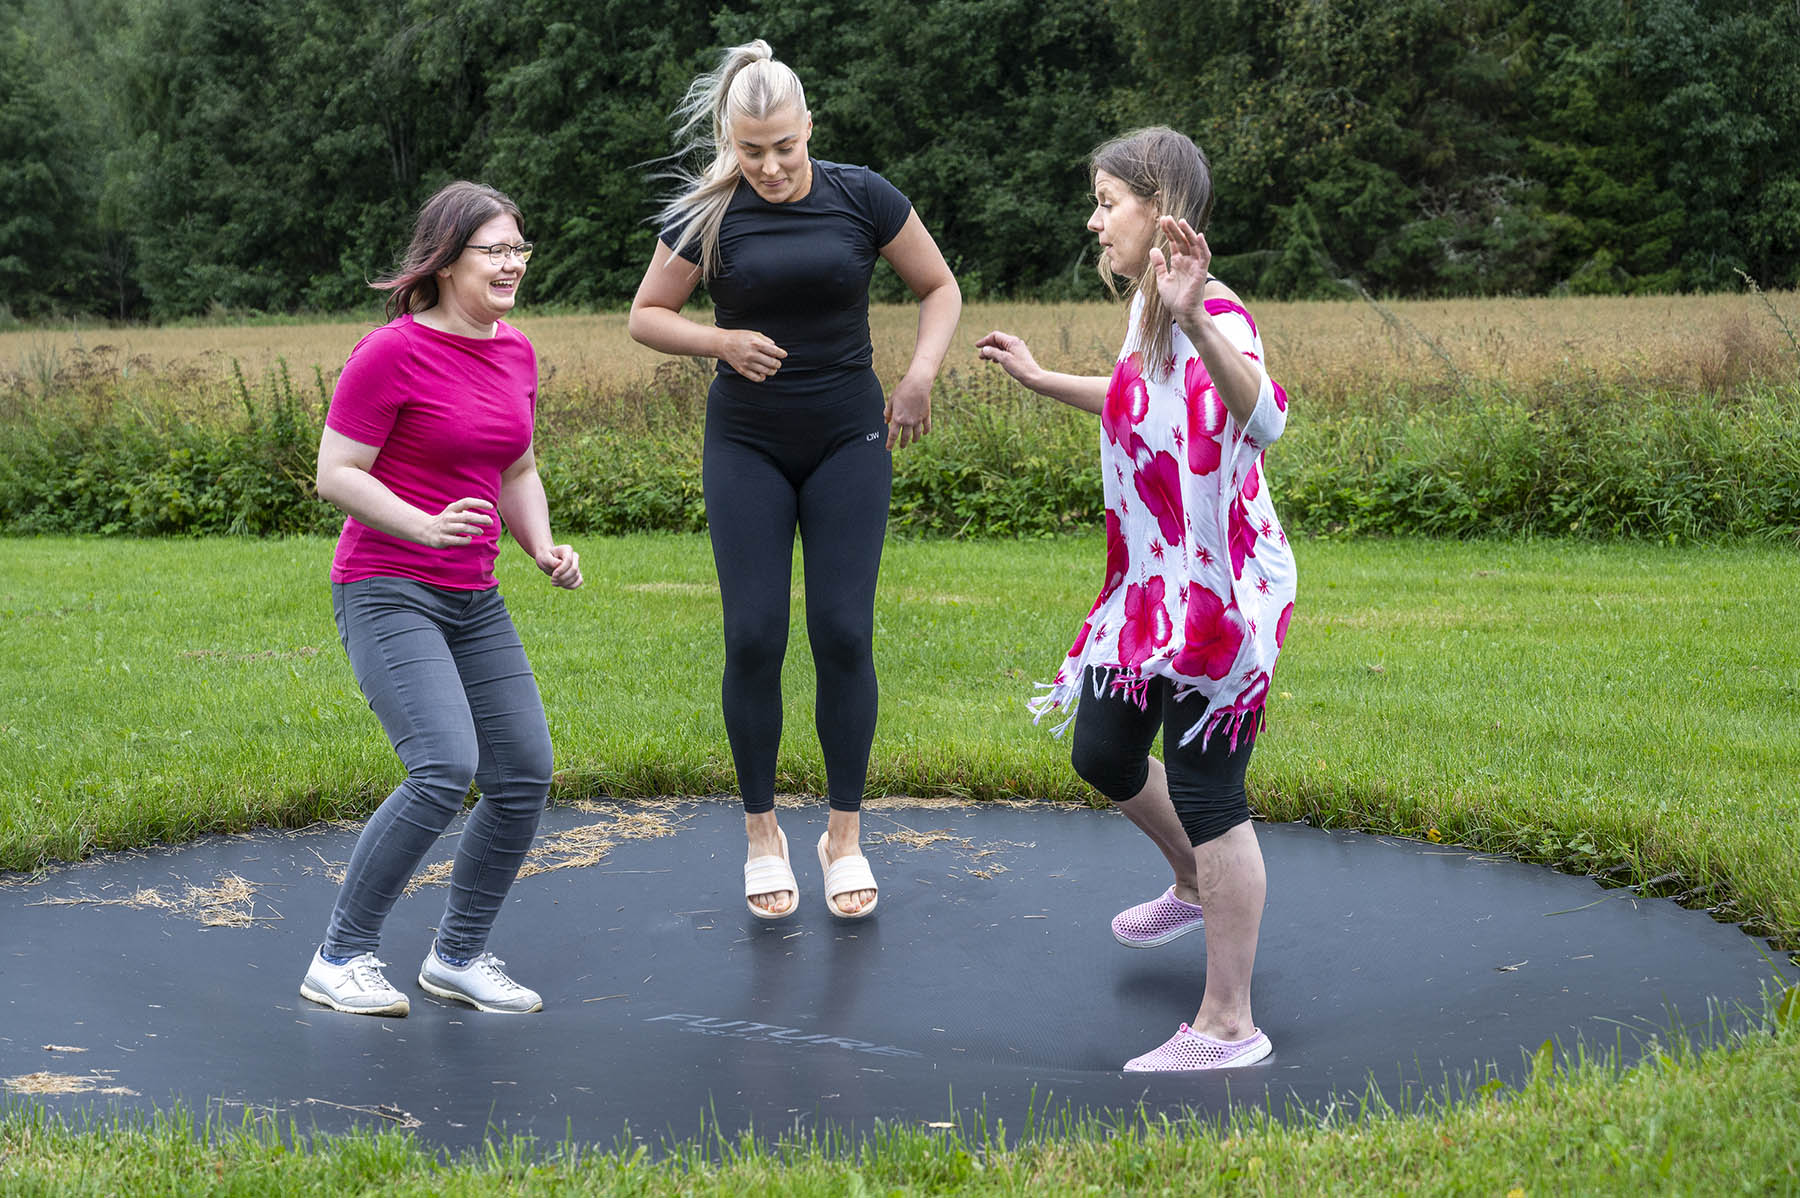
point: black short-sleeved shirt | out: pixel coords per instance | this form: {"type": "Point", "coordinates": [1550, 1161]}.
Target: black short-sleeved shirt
{"type": "Point", "coordinates": [798, 273]}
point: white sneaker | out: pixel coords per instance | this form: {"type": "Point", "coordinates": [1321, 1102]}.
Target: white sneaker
{"type": "Point", "coordinates": [482, 983]}
{"type": "Point", "coordinates": [356, 987]}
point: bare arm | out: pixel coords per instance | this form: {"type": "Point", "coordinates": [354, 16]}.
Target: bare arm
{"type": "Point", "coordinates": [1084, 391]}
{"type": "Point", "coordinates": [1181, 281]}
{"type": "Point", "coordinates": [527, 516]}
{"type": "Point", "coordinates": [916, 258]}
{"type": "Point", "coordinates": [656, 321]}
{"type": "Point", "coordinates": [344, 481]}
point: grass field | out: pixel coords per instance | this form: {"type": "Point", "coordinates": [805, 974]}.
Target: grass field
{"type": "Point", "coordinates": [1327, 351]}
{"type": "Point", "coordinates": [1621, 709]}
{"type": "Point", "coordinates": [1608, 708]}
{"type": "Point", "coordinates": [1594, 706]}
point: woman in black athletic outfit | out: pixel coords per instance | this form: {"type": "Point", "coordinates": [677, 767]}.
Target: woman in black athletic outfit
{"type": "Point", "coordinates": [798, 432]}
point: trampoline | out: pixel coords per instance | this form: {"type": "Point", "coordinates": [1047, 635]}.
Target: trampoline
{"type": "Point", "coordinates": [988, 981]}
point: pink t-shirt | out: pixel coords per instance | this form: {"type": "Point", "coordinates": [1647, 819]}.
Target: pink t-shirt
{"type": "Point", "coordinates": [449, 414]}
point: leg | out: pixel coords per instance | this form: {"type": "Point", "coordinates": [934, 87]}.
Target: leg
{"type": "Point", "coordinates": [513, 774]}
{"type": "Point", "coordinates": [1111, 752]}
{"type": "Point", "coordinates": [843, 521]}
{"type": "Point", "coordinates": [1207, 789]}
{"type": "Point", "coordinates": [751, 516]}
{"type": "Point", "coordinates": [390, 630]}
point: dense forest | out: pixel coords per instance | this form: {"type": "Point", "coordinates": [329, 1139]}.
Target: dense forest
{"type": "Point", "coordinates": [168, 158]}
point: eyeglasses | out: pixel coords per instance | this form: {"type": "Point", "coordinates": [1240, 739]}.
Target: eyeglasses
{"type": "Point", "coordinates": [499, 250]}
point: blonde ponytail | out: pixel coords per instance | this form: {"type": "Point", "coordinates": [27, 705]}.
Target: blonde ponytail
{"type": "Point", "coordinates": [747, 82]}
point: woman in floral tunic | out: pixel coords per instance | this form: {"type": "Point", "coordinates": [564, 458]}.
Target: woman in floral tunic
{"type": "Point", "coordinates": [1199, 583]}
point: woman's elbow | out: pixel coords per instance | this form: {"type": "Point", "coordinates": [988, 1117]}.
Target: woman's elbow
{"type": "Point", "coordinates": [637, 324]}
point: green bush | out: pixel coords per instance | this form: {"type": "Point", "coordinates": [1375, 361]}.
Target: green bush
{"type": "Point", "coordinates": [1575, 458]}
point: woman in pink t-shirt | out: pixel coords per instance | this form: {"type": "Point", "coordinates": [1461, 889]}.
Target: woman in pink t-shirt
{"type": "Point", "coordinates": [1199, 582]}
{"type": "Point", "coordinates": [428, 435]}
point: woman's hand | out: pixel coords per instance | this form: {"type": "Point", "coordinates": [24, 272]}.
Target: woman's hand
{"type": "Point", "coordinates": [1013, 355]}
{"type": "Point", "coordinates": [750, 353]}
{"type": "Point", "coordinates": [562, 564]}
{"type": "Point", "coordinates": [1181, 273]}
{"type": "Point", "coordinates": [457, 524]}
{"type": "Point", "coordinates": [908, 412]}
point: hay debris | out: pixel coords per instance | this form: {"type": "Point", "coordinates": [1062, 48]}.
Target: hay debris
{"type": "Point", "coordinates": [99, 1081]}
{"type": "Point", "coordinates": [230, 902]}
{"type": "Point", "coordinates": [578, 848]}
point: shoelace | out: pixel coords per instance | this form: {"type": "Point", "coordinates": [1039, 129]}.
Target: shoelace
{"type": "Point", "coordinates": [490, 965]}
{"type": "Point", "coordinates": [365, 971]}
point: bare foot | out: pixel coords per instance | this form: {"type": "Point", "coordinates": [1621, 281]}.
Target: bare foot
{"type": "Point", "coordinates": [764, 836]}
{"type": "Point", "coordinates": [844, 839]}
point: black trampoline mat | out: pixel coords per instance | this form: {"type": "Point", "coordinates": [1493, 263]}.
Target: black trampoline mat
{"type": "Point", "coordinates": [988, 980]}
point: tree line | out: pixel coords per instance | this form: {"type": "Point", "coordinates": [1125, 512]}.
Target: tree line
{"type": "Point", "coordinates": [169, 158]}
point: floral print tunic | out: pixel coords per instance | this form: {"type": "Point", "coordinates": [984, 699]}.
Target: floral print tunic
{"type": "Point", "coordinates": [1199, 581]}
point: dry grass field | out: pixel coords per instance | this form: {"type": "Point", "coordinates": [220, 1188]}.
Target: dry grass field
{"type": "Point", "coordinates": [1325, 350]}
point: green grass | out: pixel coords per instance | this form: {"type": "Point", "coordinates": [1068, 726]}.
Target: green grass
{"type": "Point", "coordinates": [1602, 707]}
{"type": "Point", "coordinates": [1623, 708]}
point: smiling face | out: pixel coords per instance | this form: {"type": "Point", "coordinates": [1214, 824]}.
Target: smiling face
{"type": "Point", "coordinates": [1125, 223]}
{"type": "Point", "coordinates": [771, 153]}
{"type": "Point", "coordinates": [473, 289]}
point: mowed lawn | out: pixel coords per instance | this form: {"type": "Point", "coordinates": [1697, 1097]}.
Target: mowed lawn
{"type": "Point", "coordinates": [1624, 707]}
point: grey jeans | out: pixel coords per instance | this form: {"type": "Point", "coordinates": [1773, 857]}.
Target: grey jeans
{"type": "Point", "coordinates": [445, 673]}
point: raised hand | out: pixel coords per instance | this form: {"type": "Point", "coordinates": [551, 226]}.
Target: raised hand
{"type": "Point", "coordinates": [1181, 273]}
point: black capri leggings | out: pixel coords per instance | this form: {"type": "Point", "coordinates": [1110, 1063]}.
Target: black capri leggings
{"type": "Point", "coordinates": [813, 457]}
{"type": "Point", "coordinates": [1112, 754]}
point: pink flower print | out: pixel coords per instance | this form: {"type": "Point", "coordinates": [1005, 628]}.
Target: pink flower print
{"type": "Point", "coordinates": [1287, 613]}
{"type": "Point", "coordinates": [1118, 557]}
{"type": "Point", "coordinates": [1262, 584]}
{"type": "Point", "coordinates": [1206, 419]}
{"type": "Point", "coordinates": [1127, 398]}
{"type": "Point", "coordinates": [1253, 696]}
{"type": "Point", "coordinates": [1159, 486]}
{"type": "Point", "coordinates": [1240, 538]}
{"type": "Point", "coordinates": [1213, 631]}
{"type": "Point", "coordinates": [1203, 555]}
{"type": "Point", "coordinates": [1252, 482]}
{"type": "Point", "coordinates": [1157, 549]}
{"type": "Point", "coordinates": [1280, 397]}
{"type": "Point", "coordinates": [1168, 366]}
{"type": "Point", "coordinates": [1179, 436]}
{"type": "Point", "coordinates": [1080, 642]}
{"type": "Point", "coordinates": [1147, 624]}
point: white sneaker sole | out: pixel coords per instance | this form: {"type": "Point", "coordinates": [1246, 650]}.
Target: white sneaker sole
{"type": "Point", "coordinates": [430, 987]}
{"type": "Point", "coordinates": [397, 1010]}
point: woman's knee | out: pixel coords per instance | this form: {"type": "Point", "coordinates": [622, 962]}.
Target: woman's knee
{"type": "Point", "coordinates": [1118, 776]}
{"type": "Point", "coordinates": [755, 646]}
{"type": "Point", "coordinates": [841, 645]}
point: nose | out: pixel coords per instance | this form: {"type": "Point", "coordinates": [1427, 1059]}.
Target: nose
{"type": "Point", "coordinates": [1094, 222]}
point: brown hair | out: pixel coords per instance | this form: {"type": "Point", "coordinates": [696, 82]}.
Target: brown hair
{"type": "Point", "coordinates": [445, 223]}
{"type": "Point", "coordinates": [1167, 170]}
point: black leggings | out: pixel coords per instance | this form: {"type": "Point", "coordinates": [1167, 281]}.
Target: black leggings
{"type": "Point", "coordinates": [1112, 754]}
{"type": "Point", "coordinates": [811, 457]}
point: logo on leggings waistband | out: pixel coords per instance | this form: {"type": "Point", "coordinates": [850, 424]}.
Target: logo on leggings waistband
{"type": "Point", "coordinates": [774, 1033]}
{"type": "Point", "coordinates": [873, 435]}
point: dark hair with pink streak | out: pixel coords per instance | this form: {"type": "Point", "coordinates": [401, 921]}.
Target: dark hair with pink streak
{"type": "Point", "coordinates": [446, 222]}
